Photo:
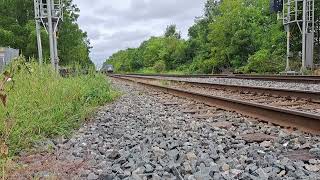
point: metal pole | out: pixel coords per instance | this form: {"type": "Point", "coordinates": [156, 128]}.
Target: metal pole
{"type": "Point", "coordinates": [313, 28]}
{"type": "Point", "coordinates": [288, 36]}
{"type": "Point", "coordinates": [304, 32]}
{"type": "Point", "coordinates": [38, 31]}
{"type": "Point", "coordinates": [288, 49]}
{"type": "Point", "coordinates": [318, 34]}
{"type": "Point", "coordinates": [50, 32]}
{"type": "Point", "coordinates": [55, 40]}
{"type": "Point", "coordinates": [56, 58]}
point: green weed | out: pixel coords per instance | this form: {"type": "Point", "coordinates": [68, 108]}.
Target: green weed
{"type": "Point", "coordinates": [44, 105]}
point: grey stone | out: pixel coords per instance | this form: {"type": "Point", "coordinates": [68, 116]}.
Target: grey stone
{"type": "Point", "coordinates": [85, 173]}
{"type": "Point", "coordinates": [214, 167]}
{"type": "Point", "coordinates": [266, 144]}
{"type": "Point", "coordinates": [314, 161]}
{"type": "Point", "coordinates": [315, 152]}
{"type": "Point", "coordinates": [148, 168]}
{"type": "Point", "coordinates": [158, 152]}
{"type": "Point", "coordinates": [190, 177]}
{"type": "Point", "coordinates": [279, 165]}
{"type": "Point", "coordinates": [290, 168]}
{"type": "Point", "coordinates": [92, 176]}
{"type": "Point", "coordinates": [187, 167]}
{"type": "Point", "coordinates": [156, 177]}
{"type": "Point", "coordinates": [225, 167]}
{"type": "Point", "coordinates": [282, 173]}
{"type": "Point", "coordinates": [43, 174]}
{"type": "Point", "coordinates": [203, 173]}
{"type": "Point", "coordinates": [128, 164]}
{"type": "Point", "coordinates": [236, 172]}
{"type": "Point", "coordinates": [215, 156]}
{"type": "Point", "coordinates": [173, 154]}
{"type": "Point", "coordinates": [124, 175]}
{"type": "Point", "coordinates": [312, 168]}
{"type": "Point", "coordinates": [217, 176]}
{"type": "Point", "coordinates": [191, 156]}
{"type": "Point", "coordinates": [106, 177]}
{"type": "Point", "coordinates": [114, 155]}
{"type": "Point", "coordinates": [299, 174]}
{"type": "Point", "coordinates": [262, 174]}
{"type": "Point", "coordinates": [177, 174]}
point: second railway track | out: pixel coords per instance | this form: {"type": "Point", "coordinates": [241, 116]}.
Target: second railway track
{"type": "Point", "coordinates": [290, 93]}
{"type": "Point", "coordinates": [304, 119]}
{"type": "Point", "coordinates": [280, 78]}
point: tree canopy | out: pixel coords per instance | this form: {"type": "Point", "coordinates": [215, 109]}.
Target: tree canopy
{"type": "Point", "coordinates": [232, 35]}
{"type": "Point", "coordinates": [17, 30]}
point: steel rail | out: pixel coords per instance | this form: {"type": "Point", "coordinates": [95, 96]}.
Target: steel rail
{"type": "Point", "coordinates": [309, 95]}
{"type": "Point", "coordinates": [288, 118]}
{"type": "Point", "coordinates": [281, 78]}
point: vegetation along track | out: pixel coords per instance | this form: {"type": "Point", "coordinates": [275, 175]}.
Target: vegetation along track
{"type": "Point", "coordinates": [281, 78]}
{"type": "Point", "coordinates": [307, 119]}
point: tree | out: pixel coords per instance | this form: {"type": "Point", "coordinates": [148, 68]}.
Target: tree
{"type": "Point", "coordinates": [17, 30]}
{"type": "Point", "coordinates": [171, 31]}
{"type": "Point", "coordinates": [232, 35]}
{"type": "Point", "coordinates": [211, 9]}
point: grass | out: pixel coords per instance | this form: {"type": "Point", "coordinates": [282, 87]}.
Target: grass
{"type": "Point", "coordinates": [41, 104]}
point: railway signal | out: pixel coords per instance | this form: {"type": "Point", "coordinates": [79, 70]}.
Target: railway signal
{"type": "Point", "coordinates": [48, 13]}
{"type": "Point", "coordinates": [300, 13]}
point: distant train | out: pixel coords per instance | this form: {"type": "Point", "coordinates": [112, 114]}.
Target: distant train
{"type": "Point", "coordinates": [108, 69]}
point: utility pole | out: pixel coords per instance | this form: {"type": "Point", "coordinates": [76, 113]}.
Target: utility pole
{"type": "Point", "coordinates": [313, 31]}
{"type": "Point", "coordinates": [56, 58]}
{"type": "Point", "coordinates": [304, 34]}
{"type": "Point", "coordinates": [288, 37]}
{"type": "Point", "coordinates": [50, 32]}
{"type": "Point", "coordinates": [318, 37]}
{"type": "Point", "coordinates": [38, 30]}
{"type": "Point", "coordinates": [55, 37]}
{"type": "Point", "coordinates": [301, 14]}
{"type": "Point", "coordinates": [49, 13]}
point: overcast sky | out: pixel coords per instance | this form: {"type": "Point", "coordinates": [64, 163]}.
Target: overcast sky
{"type": "Point", "coordinates": [113, 25]}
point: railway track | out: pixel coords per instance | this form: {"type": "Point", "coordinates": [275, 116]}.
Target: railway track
{"type": "Point", "coordinates": [280, 78]}
{"type": "Point", "coordinates": [288, 93]}
{"type": "Point", "coordinates": [292, 118]}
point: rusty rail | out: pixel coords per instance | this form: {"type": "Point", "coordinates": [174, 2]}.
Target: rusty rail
{"type": "Point", "coordinates": [288, 118]}
{"type": "Point", "coordinates": [310, 95]}
{"type": "Point", "coordinates": [281, 78]}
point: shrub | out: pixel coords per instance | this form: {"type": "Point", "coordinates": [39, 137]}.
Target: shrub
{"type": "Point", "coordinates": [159, 67]}
{"type": "Point", "coordinates": [264, 61]}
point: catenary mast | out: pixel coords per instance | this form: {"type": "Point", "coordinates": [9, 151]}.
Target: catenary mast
{"type": "Point", "coordinates": [49, 13]}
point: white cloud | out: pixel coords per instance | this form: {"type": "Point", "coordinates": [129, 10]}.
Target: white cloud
{"type": "Point", "coordinates": [117, 24]}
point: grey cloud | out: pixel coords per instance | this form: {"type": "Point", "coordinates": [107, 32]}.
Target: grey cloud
{"type": "Point", "coordinates": [146, 10]}
{"type": "Point", "coordinates": [117, 24]}
{"type": "Point", "coordinates": [91, 20]}
{"type": "Point", "coordinates": [109, 44]}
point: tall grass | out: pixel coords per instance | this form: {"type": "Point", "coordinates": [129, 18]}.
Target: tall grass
{"type": "Point", "coordinates": [41, 104]}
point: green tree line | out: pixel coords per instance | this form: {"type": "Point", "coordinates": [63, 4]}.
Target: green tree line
{"type": "Point", "coordinates": [17, 30]}
{"type": "Point", "coordinates": [232, 35]}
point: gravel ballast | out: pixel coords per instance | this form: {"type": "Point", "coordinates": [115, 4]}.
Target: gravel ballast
{"type": "Point", "coordinates": [147, 134]}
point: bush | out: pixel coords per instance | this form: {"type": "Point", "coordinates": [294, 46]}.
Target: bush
{"type": "Point", "coordinates": [159, 67]}
{"type": "Point", "coordinates": [200, 66]}
{"type": "Point", "coordinates": [44, 105]}
{"type": "Point", "coordinates": [264, 62]}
